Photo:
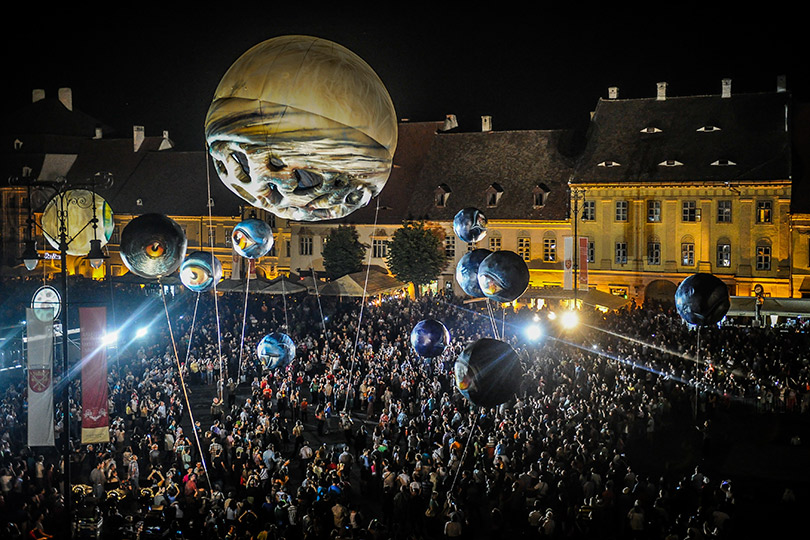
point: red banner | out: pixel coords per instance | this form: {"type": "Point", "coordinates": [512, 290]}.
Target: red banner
{"type": "Point", "coordinates": [95, 419]}
{"type": "Point", "coordinates": [583, 263]}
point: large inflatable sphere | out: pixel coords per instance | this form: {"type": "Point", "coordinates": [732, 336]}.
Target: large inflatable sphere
{"type": "Point", "coordinates": [276, 350]}
{"type": "Point", "coordinates": [470, 224]}
{"type": "Point", "coordinates": [488, 372]}
{"type": "Point", "coordinates": [200, 271]}
{"type": "Point", "coordinates": [503, 276]}
{"type": "Point", "coordinates": [252, 238]}
{"type": "Point", "coordinates": [702, 299]}
{"type": "Point", "coordinates": [77, 205]}
{"type": "Point", "coordinates": [467, 271]}
{"type": "Point", "coordinates": [429, 338]}
{"type": "Point", "coordinates": [152, 246]}
{"type": "Point", "coordinates": [302, 127]}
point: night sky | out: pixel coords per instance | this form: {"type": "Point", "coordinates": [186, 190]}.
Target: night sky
{"type": "Point", "coordinates": [528, 71]}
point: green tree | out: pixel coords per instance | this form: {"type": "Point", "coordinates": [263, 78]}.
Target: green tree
{"type": "Point", "coordinates": [416, 253]}
{"type": "Point", "coordinates": [343, 253]}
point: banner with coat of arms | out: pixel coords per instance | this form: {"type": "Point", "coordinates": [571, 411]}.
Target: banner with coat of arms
{"type": "Point", "coordinates": [95, 419]}
{"type": "Point", "coordinates": [40, 380]}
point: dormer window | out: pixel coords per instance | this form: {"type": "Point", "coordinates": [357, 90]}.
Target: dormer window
{"type": "Point", "coordinates": [708, 129]}
{"type": "Point", "coordinates": [723, 163]}
{"type": "Point", "coordinates": [493, 195]}
{"type": "Point", "coordinates": [441, 194]}
{"type": "Point", "coordinates": [540, 195]}
{"type": "Point", "coordinates": [670, 163]}
{"type": "Point", "coordinates": [139, 202]}
{"type": "Point", "coordinates": [651, 129]}
{"type": "Point", "coordinates": [609, 163]}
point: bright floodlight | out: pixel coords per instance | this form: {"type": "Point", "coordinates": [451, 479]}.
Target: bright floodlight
{"type": "Point", "coordinates": [141, 332]}
{"type": "Point", "coordinates": [552, 315]}
{"type": "Point", "coordinates": [110, 338]}
{"type": "Point", "coordinates": [534, 332]}
{"type": "Point", "coordinates": [569, 319]}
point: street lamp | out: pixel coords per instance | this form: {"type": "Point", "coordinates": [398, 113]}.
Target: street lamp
{"type": "Point", "coordinates": [96, 257]}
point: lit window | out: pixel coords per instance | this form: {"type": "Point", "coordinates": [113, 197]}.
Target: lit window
{"type": "Point", "coordinates": [591, 252]}
{"type": "Point", "coordinates": [306, 245]}
{"type": "Point", "coordinates": [494, 243]}
{"type": "Point", "coordinates": [524, 248]}
{"type": "Point", "coordinates": [690, 211]}
{"type": "Point", "coordinates": [763, 257]}
{"type": "Point", "coordinates": [763, 211]}
{"type": "Point", "coordinates": [450, 246]}
{"type": "Point", "coordinates": [379, 248]}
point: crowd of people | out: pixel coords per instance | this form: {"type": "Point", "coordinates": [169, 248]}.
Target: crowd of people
{"type": "Point", "coordinates": [609, 434]}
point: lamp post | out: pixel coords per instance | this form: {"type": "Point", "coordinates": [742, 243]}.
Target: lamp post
{"type": "Point", "coordinates": [96, 257]}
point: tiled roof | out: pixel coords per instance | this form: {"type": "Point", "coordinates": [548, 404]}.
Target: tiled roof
{"type": "Point", "coordinates": [688, 139]}
{"type": "Point", "coordinates": [514, 163]}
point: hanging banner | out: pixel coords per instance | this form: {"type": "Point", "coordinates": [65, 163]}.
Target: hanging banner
{"type": "Point", "coordinates": [568, 263]}
{"type": "Point", "coordinates": [40, 379]}
{"type": "Point", "coordinates": [582, 270]}
{"type": "Point", "coordinates": [95, 419]}
{"type": "Point", "coordinates": [236, 267]}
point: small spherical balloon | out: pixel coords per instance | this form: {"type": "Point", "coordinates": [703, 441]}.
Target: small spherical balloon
{"type": "Point", "coordinates": [77, 205]}
{"type": "Point", "coordinates": [503, 276]}
{"type": "Point", "coordinates": [467, 271]}
{"type": "Point", "coordinates": [152, 246]}
{"type": "Point", "coordinates": [252, 238]}
{"type": "Point", "coordinates": [303, 128]}
{"type": "Point", "coordinates": [276, 350]}
{"type": "Point", "coordinates": [470, 224]}
{"type": "Point", "coordinates": [488, 372]}
{"type": "Point", "coordinates": [200, 271]}
{"type": "Point", "coordinates": [429, 338]}
{"type": "Point", "coordinates": [702, 299]}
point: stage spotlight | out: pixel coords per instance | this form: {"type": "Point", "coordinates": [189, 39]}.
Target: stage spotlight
{"type": "Point", "coordinates": [534, 332]}
{"type": "Point", "coordinates": [110, 338]}
{"type": "Point", "coordinates": [141, 332]}
{"type": "Point", "coordinates": [569, 320]}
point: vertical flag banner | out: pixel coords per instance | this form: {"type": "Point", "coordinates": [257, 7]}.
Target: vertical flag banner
{"type": "Point", "coordinates": [95, 419]}
{"type": "Point", "coordinates": [568, 263]}
{"type": "Point", "coordinates": [582, 270]}
{"type": "Point", "coordinates": [40, 380]}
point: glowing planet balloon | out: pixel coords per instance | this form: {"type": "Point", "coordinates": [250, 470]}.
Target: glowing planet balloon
{"type": "Point", "coordinates": [467, 271]}
{"type": "Point", "coordinates": [302, 127]}
{"type": "Point", "coordinates": [702, 299]}
{"type": "Point", "coordinates": [200, 270]}
{"type": "Point", "coordinates": [252, 238]}
{"type": "Point", "coordinates": [429, 338]}
{"type": "Point", "coordinates": [503, 276]}
{"type": "Point", "coordinates": [470, 224]}
{"type": "Point", "coordinates": [152, 245]}
{"type": "Point", "coordinates": [276, 350]}
{"type": "Point", "coordinates": [488, 372]}
{"type": "Point", "coordinates": [78, 207]}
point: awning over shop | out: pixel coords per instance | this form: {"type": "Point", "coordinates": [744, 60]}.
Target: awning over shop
{"type": "Point", "coordinates": [786, 307]}
{"type": "Point", "coordinates": [591, 297]}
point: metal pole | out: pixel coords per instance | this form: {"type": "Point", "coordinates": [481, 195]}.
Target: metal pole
{"type": "Point", "coordinates": [575, 253]}
{"type": "Point", "coordinates": [65, 367]}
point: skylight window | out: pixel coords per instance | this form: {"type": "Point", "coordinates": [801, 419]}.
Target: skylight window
{"type": "Point", "coordinates": [670, 163]}
{"type": "Point", "coordinates": [723, 163]}
{"type": "Point", "coordinates": [651, 129]}
{"type": "Point", "coordinates": [609, 163]}
{"type": "Point", "coordinates": [708, 128]}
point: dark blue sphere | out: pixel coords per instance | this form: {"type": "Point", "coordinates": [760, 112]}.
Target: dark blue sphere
{"type": "Point", "coordinates": [488, 372]}
{"type": "Point", "coordinates": [702, 299]}
{"type": "Point", "coordinates": [503, 276]}
{"type": "Point", "coordinates": [276, 350]}
{"type": "Point", "coordinates": [429, 338]}
{"type": "Point", "coordinates": [470, 224]}
{"type": "Point", "coordinates": [467, 271]}
{"type": "Point", "coordinates": [200, 271]}
{"type": "Point", "coordinates": [252, 238]}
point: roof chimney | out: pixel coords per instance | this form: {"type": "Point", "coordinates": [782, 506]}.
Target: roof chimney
{"type": "Point", "coordinates": [450, 122]}
{"type": "Point", "coordinates": [66, 98]}
{"type": "Point", "coordinates": [726, 88]}
{"type": "Point", "coordinates": [781, 83]}
{"type": "Point", "coordinates": [486, 123]}
{"type": "Point", "coordinates": [37, 95]}
{"type": "Point", "coordinates": [662, 91]}
{"type": "Point", "coordinates": [613, 92]}
{"type": "Point", "coordinates": [137, 137]}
